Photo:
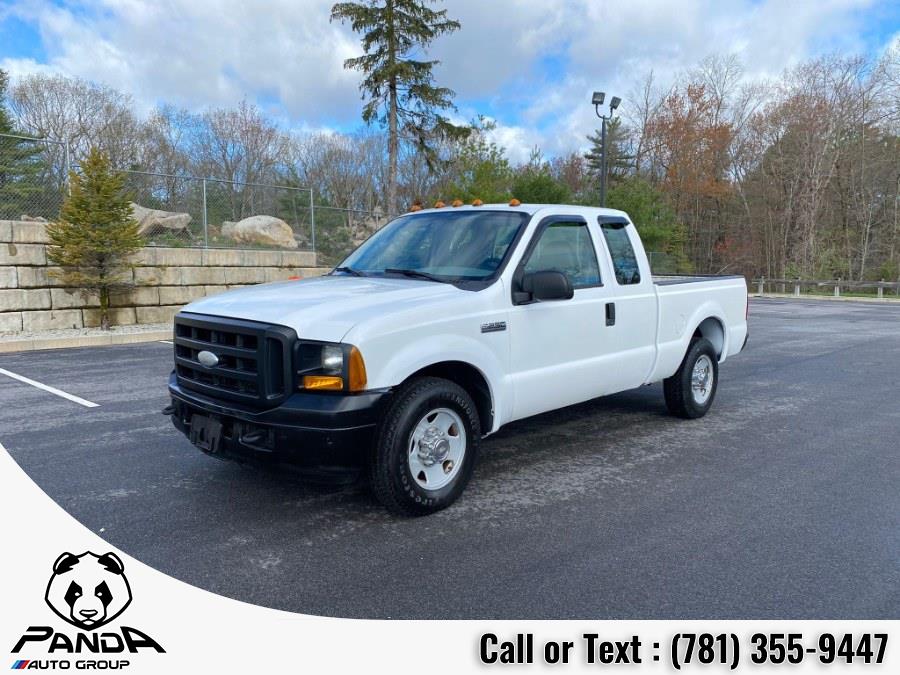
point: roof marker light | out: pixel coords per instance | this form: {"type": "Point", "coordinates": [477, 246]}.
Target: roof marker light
{"type": "Point", "coordinates": [477, 202]}
{"type": "Point", "coordinates": [439, 204]}
{"type": "Point", "coordinates": [457, 203]}
{"type": "Point", "coordinates": [514, 202]}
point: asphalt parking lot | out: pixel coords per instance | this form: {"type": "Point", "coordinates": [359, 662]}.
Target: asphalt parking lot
{"type": "Point", "coordinates": [782, 503]}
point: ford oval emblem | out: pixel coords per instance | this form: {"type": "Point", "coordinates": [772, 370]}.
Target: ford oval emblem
{"type": "Point", "coordinates": [208, 359]}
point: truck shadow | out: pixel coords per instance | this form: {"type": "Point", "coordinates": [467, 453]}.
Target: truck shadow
{"type": "Point", "coordinates": [597, 413]}
{"type": "Point", "coordinates": [560, 431]}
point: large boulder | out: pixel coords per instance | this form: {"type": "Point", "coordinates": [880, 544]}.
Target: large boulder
{"type": "Point", "coordinates": [265, 230]}
{"type": "Point", "coordinates": [154, 221]}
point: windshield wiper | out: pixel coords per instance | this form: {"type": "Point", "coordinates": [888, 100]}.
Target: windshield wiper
{"type": "Point", "coordinates": [416, 274]}
{"type": "Point", "coordinates": [349, 270]}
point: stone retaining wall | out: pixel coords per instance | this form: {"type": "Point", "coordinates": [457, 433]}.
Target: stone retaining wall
{"type": "Point", "coordinates": [166, 279]}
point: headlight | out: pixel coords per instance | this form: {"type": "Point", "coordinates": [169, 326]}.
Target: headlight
{"type": "Point", "coordinates": [333, 359]}
{"type": "Point", "coordinates": [329, 366]}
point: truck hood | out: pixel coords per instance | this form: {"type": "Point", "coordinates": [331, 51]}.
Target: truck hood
{"type": "Point", "coordinates": [324, 308]}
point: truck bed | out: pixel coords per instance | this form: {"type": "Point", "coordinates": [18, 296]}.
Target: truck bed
{"type": "Point", "coordinates": [684, 301]}
{"type": "Point", "coordinates": [672, 279]}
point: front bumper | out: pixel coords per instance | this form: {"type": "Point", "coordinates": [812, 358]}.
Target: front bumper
{"type": "Point", "coordinates": [317, 433]}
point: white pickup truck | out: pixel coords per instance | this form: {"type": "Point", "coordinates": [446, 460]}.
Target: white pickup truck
{"type": "Point", "coordinates": [442, 327]}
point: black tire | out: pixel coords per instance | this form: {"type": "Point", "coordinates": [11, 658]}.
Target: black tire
{"type": "Point", "coordinates": [392, 480]}
{"type": "Point", "coordinates": [680, 398]}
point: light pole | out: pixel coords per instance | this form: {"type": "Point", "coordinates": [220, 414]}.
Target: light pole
{"type": "Point", "coordinates": [597, 100]}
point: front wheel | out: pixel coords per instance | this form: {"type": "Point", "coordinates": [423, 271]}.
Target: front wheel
{"type": "Point", "coordinates": [427, 447]}
{"type": "Point", "coordinates": [691, 390]}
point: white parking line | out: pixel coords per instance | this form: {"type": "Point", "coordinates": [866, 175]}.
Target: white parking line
{"type": "Point", "coordinates": [52, 390]}
{"type": "Point", "coordinates": [168, 342]}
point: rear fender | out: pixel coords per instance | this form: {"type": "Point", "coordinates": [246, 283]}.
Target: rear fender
{"type": "Point", "coordinates": [671, 352]}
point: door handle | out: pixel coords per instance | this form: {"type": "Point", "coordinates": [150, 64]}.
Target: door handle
{"type": "Point", "coordinates": [610, 314]}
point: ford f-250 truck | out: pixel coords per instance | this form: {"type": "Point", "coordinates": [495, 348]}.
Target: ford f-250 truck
{"type": "Point", "coordinates": [442, 327]}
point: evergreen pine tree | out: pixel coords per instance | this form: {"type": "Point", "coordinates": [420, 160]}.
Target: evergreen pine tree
{"type": "Point", "coordinates": [540, 187]}
{"type": "Point", "coordinates": [400, 89]}
{"type": "Point", "coordinates": [20, 186]}
{"type": "Point", "coordinates": [619, 161]}
{"type": "Point", "coordinates": [480, 167]}
{"type": "Point", "coordinates": [96, 235]}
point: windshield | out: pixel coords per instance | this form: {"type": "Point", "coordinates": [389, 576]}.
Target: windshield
{"type": "Point", "coordinates": [452, 246]}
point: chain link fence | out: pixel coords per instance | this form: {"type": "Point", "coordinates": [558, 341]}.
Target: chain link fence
{"type": "Point", "coordinates": [340, 231]}
{"type": "Point", "coordinates": [33, 177]}
{"type": "Point", "coordinates": [178, 210]}
{"type": "Point", "coordinates": [209, 212]}
{"type": "Point", "coordinates": [190, 211]}
{"type": "Point", "coordinates": [187, 211]}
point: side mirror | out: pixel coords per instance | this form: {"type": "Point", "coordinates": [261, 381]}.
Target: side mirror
{"type": "Point", "coordinates": [547, 285]}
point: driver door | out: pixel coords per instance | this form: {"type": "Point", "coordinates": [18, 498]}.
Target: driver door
{"type": "Point", "coordinates": [556, 347]}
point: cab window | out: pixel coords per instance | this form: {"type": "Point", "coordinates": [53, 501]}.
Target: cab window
{"type": "Point", "coordinates": [621, 252]}
{"type": "Point", "coordinates": [567, 248]}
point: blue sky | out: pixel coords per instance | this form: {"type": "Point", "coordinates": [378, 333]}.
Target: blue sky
{"type": "Point", "coordinates": [530, 65]}
{"type": "Point", "coordinates": [21, 39]}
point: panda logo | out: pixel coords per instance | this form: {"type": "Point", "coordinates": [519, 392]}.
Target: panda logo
{"type": "Point", "coordinates": [88, 590]}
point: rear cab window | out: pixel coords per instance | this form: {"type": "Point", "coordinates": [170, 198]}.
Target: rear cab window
{"type": "Point", "coordinates": [621, 252]}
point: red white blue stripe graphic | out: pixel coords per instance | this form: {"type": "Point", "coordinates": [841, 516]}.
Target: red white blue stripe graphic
{"type": "Point", "coordinates": [21, 665]}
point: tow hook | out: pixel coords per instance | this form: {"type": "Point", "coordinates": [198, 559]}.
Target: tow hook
{"type": "Point", "coordinates": [258, 439]}
{"type": "Point", "coordinates": [253, 437]}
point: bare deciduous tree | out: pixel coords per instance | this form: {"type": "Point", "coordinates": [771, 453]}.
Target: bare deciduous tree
{"type": "Point", "coordinates": [239, 146]}
{"type": "Point", "coordinates": [87, 114]}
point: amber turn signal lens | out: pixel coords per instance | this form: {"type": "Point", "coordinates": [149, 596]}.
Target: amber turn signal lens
{"type": "Point", "coordinates": [357, 368]}
{"type": "Point", "coordinates": [326, 382]}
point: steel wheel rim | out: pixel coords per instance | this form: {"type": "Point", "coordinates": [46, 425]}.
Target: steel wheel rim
{"type": "Point", "coordinates": [702, 377]}
{"type": "Point", "coordinates": [436, 449]}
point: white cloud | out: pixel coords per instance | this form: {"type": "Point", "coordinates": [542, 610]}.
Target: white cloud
{"type": "Point", "coordinates": [517, 140]}
{"type": "Point", "coordinates": [893, 44]}
{"type": "Point", "coordinates": [21, 67]}
{"type": "Point", "coordinates": [612, 46]}
{"type": "Point", "coordinates": [531, 65]}
{"type": "Point", "coordinates": [200, 54]}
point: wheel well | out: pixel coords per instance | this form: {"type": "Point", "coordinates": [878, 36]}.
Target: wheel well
{"type": "Point", "coordinates": [711, 329]}
{"type": "Point", "coordinates": [469, 378]}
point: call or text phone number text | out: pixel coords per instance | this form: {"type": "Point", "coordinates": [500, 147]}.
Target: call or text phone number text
{"type": "Point", "coordinates": [687, 649]}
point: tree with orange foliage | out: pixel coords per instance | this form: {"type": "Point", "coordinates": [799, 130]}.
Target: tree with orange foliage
{"type": "Point", "coordinates": [691, 145]}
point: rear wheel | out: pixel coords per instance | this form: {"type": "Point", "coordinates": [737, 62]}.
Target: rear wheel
{"type": "Point", "coordinates": [427, 447]}
{"type": "Point", "coordinates": [690, 391]}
